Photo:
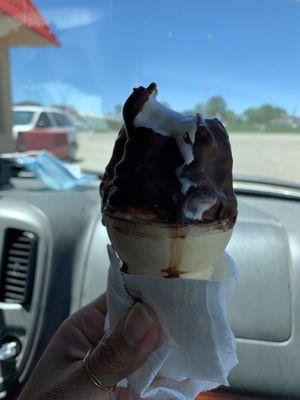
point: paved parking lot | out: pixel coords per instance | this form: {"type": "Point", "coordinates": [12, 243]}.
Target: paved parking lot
{"type": "Point", "coordinates": [270, 155]}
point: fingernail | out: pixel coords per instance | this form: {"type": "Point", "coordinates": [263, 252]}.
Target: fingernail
{"type": "Point", "coordinates": [138, 322]}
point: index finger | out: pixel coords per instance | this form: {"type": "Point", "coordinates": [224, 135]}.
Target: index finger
{"type": "Point", "coordinates": [100, 303]}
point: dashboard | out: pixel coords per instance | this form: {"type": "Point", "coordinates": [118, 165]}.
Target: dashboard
{"type": "Point", "coordinates": [54, 260]}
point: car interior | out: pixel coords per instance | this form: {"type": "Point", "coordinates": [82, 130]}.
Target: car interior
{"type": "Point", "coordinates": [54, 263]}
{"type": "Point", "coordinates": [218, 59]}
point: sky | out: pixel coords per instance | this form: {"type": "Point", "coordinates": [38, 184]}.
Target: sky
{"type": "Point", "coordinates": [247, 51]}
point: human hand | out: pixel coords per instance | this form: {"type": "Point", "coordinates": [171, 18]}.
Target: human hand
{"type": "Point", "coordinates": [60, 373]}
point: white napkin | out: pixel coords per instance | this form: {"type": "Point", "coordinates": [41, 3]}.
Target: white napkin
{"type": "Point", "coordinates": [197, 347]}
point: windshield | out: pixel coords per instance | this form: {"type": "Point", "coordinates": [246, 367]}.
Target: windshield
{"type": "Point", "coordinates": [22, 117]}
{"type": "Point", "coordinates": [236, 60]}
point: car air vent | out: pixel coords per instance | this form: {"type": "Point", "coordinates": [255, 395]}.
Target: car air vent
{"type": "Point", "coordinates": [17, 266]}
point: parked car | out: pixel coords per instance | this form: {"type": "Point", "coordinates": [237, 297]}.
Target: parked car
{"type": "Point", "coordinates": [30, 118]}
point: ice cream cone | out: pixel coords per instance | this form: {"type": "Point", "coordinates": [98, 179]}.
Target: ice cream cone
{"type": "Point", "coordinates": [168, 250]}
{"type": "Point", "coordinates": [167, 196]}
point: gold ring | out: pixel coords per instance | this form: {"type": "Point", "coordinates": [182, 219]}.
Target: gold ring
{"type": "Point", "coordinates": [96, 381]}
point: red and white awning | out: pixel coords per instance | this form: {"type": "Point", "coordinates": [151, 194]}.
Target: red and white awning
{"type": "Point", "coordinates": [21, 24]}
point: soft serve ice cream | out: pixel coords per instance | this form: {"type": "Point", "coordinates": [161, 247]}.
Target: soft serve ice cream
{"type": "Point", "coordinates": [167, 196]}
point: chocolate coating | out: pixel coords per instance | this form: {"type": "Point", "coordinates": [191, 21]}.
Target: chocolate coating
{"type": "Point", "coordinates": [141, 178]}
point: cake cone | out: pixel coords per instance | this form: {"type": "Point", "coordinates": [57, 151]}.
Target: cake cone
{"type": "Point", "coordinates": [166, 250]}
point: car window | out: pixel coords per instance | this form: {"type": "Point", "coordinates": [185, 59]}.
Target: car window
{"type": "Point", "coordinates": [61, 119]}
{"type": "Point", "coordinates": [22, 117]}
{"type": "Point", "coordinates": [206, 57]}
{"type": "Point", "coordinates": [43, 121]}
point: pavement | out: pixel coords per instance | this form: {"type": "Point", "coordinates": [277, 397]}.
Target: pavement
{"type": "Point", "coordinates": [275, 155]}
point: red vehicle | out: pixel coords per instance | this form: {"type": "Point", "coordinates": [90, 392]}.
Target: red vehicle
{"type": "Point", "coordinates": [54, 141]}
{"type": "Point", "coordinates": [50, 125]}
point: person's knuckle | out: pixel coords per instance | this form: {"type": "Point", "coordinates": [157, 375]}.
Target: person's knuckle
{"type": "Point", "coordinates": [112, 355]}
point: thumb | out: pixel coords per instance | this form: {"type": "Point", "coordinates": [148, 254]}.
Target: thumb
{"type": "Point", "coordinates": [126, 347]}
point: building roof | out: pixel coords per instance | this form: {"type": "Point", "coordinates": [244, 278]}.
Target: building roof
{"type": "Point", "coordinates": [26, 15]}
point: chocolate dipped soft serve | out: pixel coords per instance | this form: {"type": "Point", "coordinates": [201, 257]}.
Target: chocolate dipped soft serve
{"type": "Point", "coordinates": [167, 195]}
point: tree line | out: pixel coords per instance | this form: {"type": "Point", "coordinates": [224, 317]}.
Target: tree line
{"type": "Point", "coordinates": [265, 117]}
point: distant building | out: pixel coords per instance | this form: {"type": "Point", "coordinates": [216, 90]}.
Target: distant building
{"type": "Point", "coordinates": [21, 24]}
{"type": "Point", "coordinates": [286, 121]}
{"type": "Point", "coordinates": [118, 112]}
